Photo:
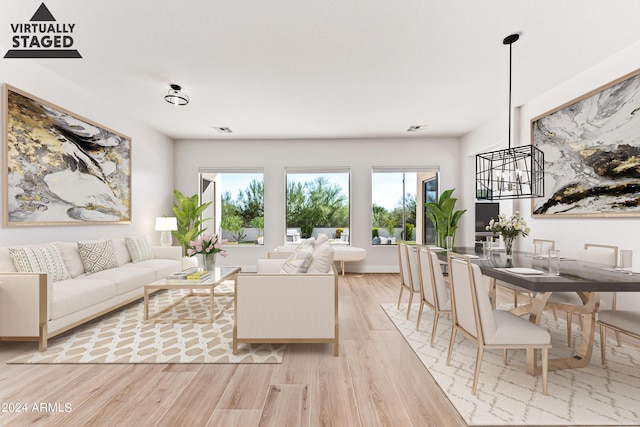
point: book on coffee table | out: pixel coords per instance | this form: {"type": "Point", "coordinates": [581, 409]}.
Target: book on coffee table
{"type": "Point", "coordinates": [191, 275]}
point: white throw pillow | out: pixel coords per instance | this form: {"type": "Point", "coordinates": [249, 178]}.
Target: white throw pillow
{"type": "Point", "coordinates": [139, 248]}
{"type": "Point", "coordinates": [298, 261]}
{"type": "Point", "coordinates": [40, 259]}
{"type": "Point", "coordinates": [322, 259]}
{"type": "Point", "coordinates": [97, 256]}
{"type": "Point", "coordinates": [321, 239]}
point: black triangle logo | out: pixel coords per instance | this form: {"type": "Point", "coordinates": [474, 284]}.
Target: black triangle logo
{"type": "Point", "coordinates": [42, 14]}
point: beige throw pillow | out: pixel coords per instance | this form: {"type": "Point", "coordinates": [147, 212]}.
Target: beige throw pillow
{"type": "Point", "coordinates": [322, 259]}
{"type": "Point", "coordinates": [298, 261]}
{"type": "Point", "coordinates": [97, 256]}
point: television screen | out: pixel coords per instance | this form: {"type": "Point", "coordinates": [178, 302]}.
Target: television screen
{"type": "Point", "coordinates": [484, 213]}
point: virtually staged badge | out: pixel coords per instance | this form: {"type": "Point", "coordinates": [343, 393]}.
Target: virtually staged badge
{"type": "Point", "coordinates": [42, 37]}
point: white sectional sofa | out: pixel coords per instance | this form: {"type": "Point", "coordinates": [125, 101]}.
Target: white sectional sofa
{"type": "Point", "coordinates": [276, 307]}
{"type": "Point", "coordinates": [37, 306]}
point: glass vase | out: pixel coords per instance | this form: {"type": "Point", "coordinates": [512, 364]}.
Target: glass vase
{"type": "Point", "coordinates": [508, 246]}
{"type": "Point", "coordinates": [209, 261]}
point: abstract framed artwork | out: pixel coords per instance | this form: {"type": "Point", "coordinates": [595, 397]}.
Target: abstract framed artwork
{"type": "Point", "coordinates": [60, 168]}
{"type": "Point", "coordinates": [591, 148]}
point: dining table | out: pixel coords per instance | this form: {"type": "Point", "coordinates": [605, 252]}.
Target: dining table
{"type": "Point", "coordinates": [529, 272]}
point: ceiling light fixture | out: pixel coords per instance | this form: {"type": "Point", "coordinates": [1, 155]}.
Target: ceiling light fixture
{"type": "Point", "coordinates": [175, 97]}
{"type": "Point", "coordinates": [223, 129]}
{"type": "Point", "coordinates": [514, 173]}
{"type": "Point", "coordinates": [416, 128]}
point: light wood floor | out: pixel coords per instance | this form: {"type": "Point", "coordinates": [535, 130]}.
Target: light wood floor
{"type": "Point", "coordinates": [376, 381]}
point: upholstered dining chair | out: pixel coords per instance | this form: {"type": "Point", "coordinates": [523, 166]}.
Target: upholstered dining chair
{"type": "Point", "coordinates": [622, 322]}
{"type": "Point", "coordinates": [408, 273]}
{"type": "Point", "coordinates": [434, 291]}
{"type": "Point", "coordinates": [570, 302]}
{"type": "Point", "coordinates": [489, 329]}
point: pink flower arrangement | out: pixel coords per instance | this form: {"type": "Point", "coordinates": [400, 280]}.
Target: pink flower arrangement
{"type": "Point", "coordinates": [207, 243]}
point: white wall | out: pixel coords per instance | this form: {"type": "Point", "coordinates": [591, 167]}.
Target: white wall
{"type": "Point", "coordinates": [569, 233]}
{"type": "Point", "coordinates": [152, 158]}
{"type": "Point", "coordinates": [275, 155]}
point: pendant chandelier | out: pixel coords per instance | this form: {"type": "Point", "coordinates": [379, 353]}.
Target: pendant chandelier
{"type": "Point", "coordinates": [175, 96]}
{"type": "Point", "coordinates": [514, 173]}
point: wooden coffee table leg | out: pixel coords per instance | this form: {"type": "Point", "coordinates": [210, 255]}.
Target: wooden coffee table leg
{"type": "Point", "coordinates": [146, 304]}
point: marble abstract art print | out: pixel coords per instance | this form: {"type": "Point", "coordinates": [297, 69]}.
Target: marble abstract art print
{"type": "Point", "coordinates": [60, 168]}
{"type": "Point", "coordinates": [591, 150]}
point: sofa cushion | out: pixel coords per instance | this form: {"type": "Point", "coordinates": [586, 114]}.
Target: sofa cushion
{"type": "Point", "coordinates": [161, 267]}
{"type": "Point", "coordinates": [322, 237]}
{"type": "Point", "coordinates": [126, 278]}
{"type": "Point", "coordinates": [122, 253]}
{"type": "Point", "coordinates": [97, 256]}
{"type": "Point", "coordinates": [139, 248]}
{"type": "Point", "coordinates": [71, 258]}
{"type": "Point", "coordinates": [77, 294]}
{"type": "Point", "coordinates": [40, 259]}
{"type": "Point", "coordinates": [298, 261]}
{"type": "Point", "coordinates": [322, 259]}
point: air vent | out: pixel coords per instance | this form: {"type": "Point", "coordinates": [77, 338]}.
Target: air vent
{"type": "Point", "coordinates": [416, 128]}
{"type": "Point", "coordinates": [223, 129]}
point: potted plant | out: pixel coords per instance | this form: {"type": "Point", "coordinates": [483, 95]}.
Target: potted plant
{"type": "Point", "coordinates": [234, 225]}
{"type": "Point", "coordinates": [188, 216]}
{"type": "Point", "coordinates": [391, 228]}
{"type": "Point", "coordinates": [444, 218]}
{"type": "Point", "coordinates": [258, 222]}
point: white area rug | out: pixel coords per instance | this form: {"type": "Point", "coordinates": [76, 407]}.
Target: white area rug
{"type": "Point", "coordinates": [124, 337]}
{"type": "Point", "coordinates": [507, 395]}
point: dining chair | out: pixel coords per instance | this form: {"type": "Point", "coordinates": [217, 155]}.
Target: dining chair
{"type": "Point", "coordinates": [489, 329]}
{"type": "Point", "coordinates": [570, 302]}
{"type": "Point", "coordinates": [434, 292]}
{"type": "Point", "coordinates": [408, 273]}
{"type": "Point", "coordinates": [622, 322]}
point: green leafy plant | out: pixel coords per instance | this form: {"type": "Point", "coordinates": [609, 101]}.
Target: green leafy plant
{"type": "Point", "coordinates": [407, 234]}
{"type": "Point", "coordinates": [391, 226]}
{"type": "Point", "coordinates": [444, 218]}
{"type": "Point", "coordinates": [234, 225]}
{"type": "Point", "coordinates": [188, 216]}
{"type": "Point", "coordinates": [339, 232]}
{"type": "Point", "coordinates": [375, 232]}
{"type": "Point", "coordinates": [258, 222]}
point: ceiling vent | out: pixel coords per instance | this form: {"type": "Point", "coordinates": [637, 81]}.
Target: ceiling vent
{"type": "Point", "coordinates": [416, 128]}
{"type": "Point", "coordinates": [223, 129]}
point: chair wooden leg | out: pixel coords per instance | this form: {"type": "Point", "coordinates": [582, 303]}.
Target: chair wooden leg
{"type": "Point", "coordinates": [400, 296]}
{"type": "Point", "coordinates": [476, 372]}
{"type": "Point", "coordinates": [515, 298]}
{"type": "Point", "coordinates": [409, 305]}
{"type": "Point", "coordinates": [504, 356]}
{"type": "Point", "coordinates": [545, 369]}
{"type": "Point", "coordinates": [619, 339]}
{"type": "Point", "coordinates": [420, 313]}
{"type": "Point", "coordinates": [451, 341]}
{"type": "Point", "coordinates": [436, 316]}
{"type": "Point", "coordinates": [603, 344]}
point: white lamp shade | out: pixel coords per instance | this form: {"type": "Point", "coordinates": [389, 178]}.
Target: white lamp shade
{"type": "Point", "coordinates": [166, 223]}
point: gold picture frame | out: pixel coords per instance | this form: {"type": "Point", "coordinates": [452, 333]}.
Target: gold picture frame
{"type": "Point", "coordinates": [591, 149]}
{"type": "Point", "coordinates": [60, 168]}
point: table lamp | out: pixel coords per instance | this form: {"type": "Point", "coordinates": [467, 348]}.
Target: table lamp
{"type": "Point", "coordinates": [166, 224]}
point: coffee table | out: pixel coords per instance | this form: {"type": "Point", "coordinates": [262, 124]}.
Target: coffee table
{"type": "Point", "coordinates": [218, 276]}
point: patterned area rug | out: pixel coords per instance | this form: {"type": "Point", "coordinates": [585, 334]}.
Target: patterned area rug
{"type": "Point", "coordinates": [124, 337]}
{"type": "Point", "coordinates": [507, 395]}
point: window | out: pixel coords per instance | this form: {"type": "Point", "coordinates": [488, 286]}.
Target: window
{"type": "Point", "coordinates": [397, 209]}
{"type": "Point", "coordinates": [237, 211]}
{"type": "Point", "coordinates": [317, 202]}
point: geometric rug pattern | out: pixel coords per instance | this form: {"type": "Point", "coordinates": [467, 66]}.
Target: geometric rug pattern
{"type": "Point", "coordinates": [507, 395]}
{"type": "Point", "coordinates": [124, 337]}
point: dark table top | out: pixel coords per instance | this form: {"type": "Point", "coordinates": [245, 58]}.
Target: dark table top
{"type": "Point", "coordinates": [574, 275]}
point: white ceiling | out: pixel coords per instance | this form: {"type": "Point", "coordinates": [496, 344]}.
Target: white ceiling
{"type": "Point", "coordinates": [327, 68]}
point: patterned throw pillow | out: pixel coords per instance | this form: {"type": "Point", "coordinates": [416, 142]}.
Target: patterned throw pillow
{"type": "Point", "coordinates": [298, 261]}
{"type": "Point", "coordinates": [41, 259]}
{"type": "Point", "coordinates": [139, 248]}
{"type": "Point", "coordinates": [97, 256]}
